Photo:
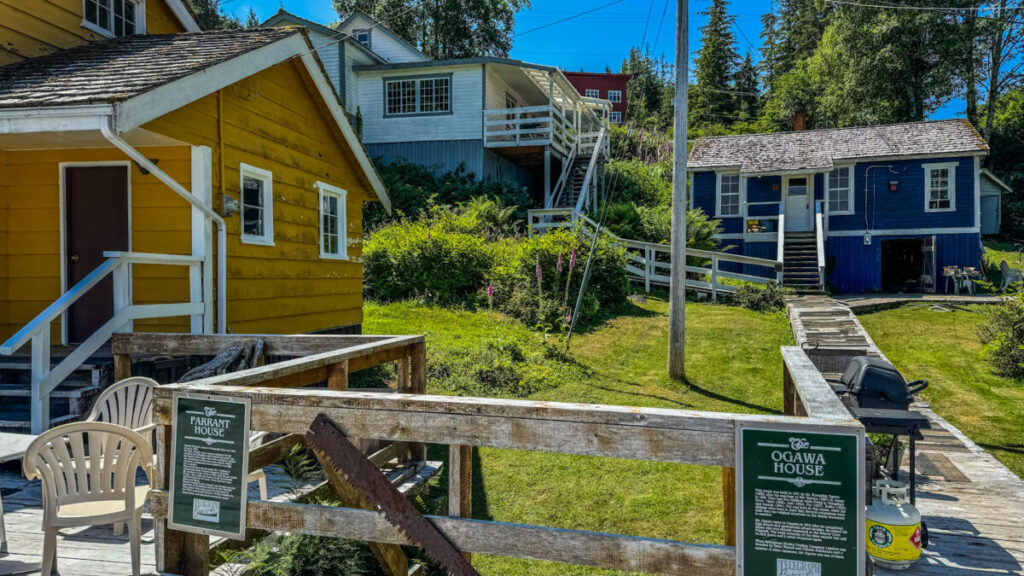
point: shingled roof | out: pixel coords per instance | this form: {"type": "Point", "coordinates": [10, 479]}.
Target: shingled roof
{"type": "Point", "coordinates": [818, 150]}
{"type": "Point", "coordinates": [118, 69]}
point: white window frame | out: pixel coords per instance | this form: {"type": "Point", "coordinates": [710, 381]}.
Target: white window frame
{"type": "Point", "coordinates": [718, 195]}
{"type": "Point", "coordinates": [369, 37]}
{"type": "Point", "coordinates": [851, 207]}
{"type": "Point", "coordinates": [951, 166]}
{"type": "Point", "coordinates": [140, 20]}
{"type": "Point", "coordinates": [615, 95]}
{"type": "Point", "coordinates": [417, 93]}
{"type": "Point", "coordinates": [591, 93]}
{"type": "Point", "coordinates": [615, 117]}
{"type": "Point", "coordinates": [327, 190]}
{"type": "Point", "coordinates": [267, 177]}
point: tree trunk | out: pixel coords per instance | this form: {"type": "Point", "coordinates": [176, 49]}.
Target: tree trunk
{"type": "Point", "coordinates": [970, 70]}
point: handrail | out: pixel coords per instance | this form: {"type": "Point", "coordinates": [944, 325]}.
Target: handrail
{"type": "Point", "coordinates": [57, 307]}
{"type": "Point", "coordinates": [563, 177]}
{"type": "Point", "coordinates": [643, 264]}
{"type": "Point", "coordinates": [45, 378]}
{"type": "Point", "coordinates": [580, 202]}
{"type": "Point", "coordinates": [780, 247]}
{"type": "Point", "coordinates": [819, 224]}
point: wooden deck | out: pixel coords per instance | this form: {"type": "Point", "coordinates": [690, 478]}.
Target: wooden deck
{"type": "Point", "coordinates": [84, 551]}
{"type": "Point", "coordinates": [972, 504]}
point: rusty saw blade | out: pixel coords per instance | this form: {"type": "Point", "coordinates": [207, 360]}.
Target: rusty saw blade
{"type": "Point", "coordinates": [332, 446]}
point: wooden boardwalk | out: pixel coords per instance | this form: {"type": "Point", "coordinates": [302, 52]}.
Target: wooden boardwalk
{"type": "Point", "coordinates": [973, 505]}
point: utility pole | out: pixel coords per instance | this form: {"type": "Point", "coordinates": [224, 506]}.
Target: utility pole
{"type": "Point", "coordinates": [677, 288]}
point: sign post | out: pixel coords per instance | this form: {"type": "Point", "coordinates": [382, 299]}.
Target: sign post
{"type": "Point", "coordinates": [799, 500]}
{"type": "Point", "coordinates": [209, 465]}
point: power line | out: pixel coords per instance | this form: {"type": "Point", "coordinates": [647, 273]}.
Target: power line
{"type": "Point", "coordinates": [650, 7]}
{"type": "Point", "coordinates": [567, 18]}
{"type": "Point", "coordinates": [939, 9]}
{"type": "Point", "coordinates": [664, 10]}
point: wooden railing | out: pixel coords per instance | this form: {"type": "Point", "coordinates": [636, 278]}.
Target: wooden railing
{"type": "Point", "coordinates": [780, 242]}
{"type": "Point", "coordinates": [650, 262]}
{"type": "Point", "coordinates": [37, 332]}
{"type": "Point", "coordinates": [648, 434]}
{"type": "Point", "coordinates": [529, 126]}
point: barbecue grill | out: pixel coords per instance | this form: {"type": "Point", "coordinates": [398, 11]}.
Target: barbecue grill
{"type": "Point", "coordinates": [874, 383]}
{"type": "Point", "coordinates": [879, 397]}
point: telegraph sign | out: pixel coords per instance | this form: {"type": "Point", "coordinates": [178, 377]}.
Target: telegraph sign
{"type": "Point", "coordinates": [799, 500]}
{"type": "Point", "coordinates": [209, 464]}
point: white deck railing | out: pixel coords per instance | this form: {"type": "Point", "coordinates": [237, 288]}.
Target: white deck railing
{"type": "Point", "coordinates": [46, 377]}
{"type": "Point", "coordinates": [529, 126]}
{"type": "Point", "coordinates": [819, 231]}
{"type": "Point", "coordinates": [650, 262]}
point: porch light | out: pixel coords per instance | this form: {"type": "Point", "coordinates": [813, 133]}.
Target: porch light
{"type": "Point", "coordinates": [893, 185]}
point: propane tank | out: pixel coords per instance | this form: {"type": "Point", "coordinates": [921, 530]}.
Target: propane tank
{"type": "Point", "coordinates": [893, 526]}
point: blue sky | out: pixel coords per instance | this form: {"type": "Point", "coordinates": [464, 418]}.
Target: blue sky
{"type": "Point", "coordinates": [590, 42]}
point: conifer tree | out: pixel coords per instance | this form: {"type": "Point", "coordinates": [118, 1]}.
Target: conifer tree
{"type": "Point", "coordinates": [746, 84]}
{"type": "Point", "coordinates": [717, 61]}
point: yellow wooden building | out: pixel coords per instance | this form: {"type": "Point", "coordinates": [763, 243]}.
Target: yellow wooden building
{"type": "Point", "coordinates": [155, 177]}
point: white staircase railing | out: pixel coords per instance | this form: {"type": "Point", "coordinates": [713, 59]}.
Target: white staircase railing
{"type": "Point", "coordinates": [563, 179]}
{"type": "Point", "coordinates": [650, 262]}
{"type": "Point", "coordinates": [46, 377]}
{"type": "Point", "coordinates": [819, 230]}
{"type": "Point", "coordinates": [780, 247]}
{"type": "Point", "coordinates": [585, 201]}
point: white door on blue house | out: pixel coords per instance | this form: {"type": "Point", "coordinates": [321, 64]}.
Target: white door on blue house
{"type": "Point", "coordinates": [799, 201]}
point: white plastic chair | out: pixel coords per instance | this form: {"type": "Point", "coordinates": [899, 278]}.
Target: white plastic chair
{"type": "Point", "coordinates": [127, 403]}
{"type": "Point", "coordinates": [88, 472]}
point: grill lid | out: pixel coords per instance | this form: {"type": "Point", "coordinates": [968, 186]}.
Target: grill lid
{"type": "Point", "coordinates": [876, 384]}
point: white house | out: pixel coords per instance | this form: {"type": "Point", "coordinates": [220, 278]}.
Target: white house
{"type": "Point", "coordinates": [499, 118]}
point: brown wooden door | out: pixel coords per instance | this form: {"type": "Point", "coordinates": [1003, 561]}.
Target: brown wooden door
{"type": "Point", "coordinates": [96, 220]}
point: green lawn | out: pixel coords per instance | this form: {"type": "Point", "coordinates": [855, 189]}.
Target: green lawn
{"type": "Point", "coordinates": [996, 252]}
{"type": "Point", "coordinates": [943, 349]}
{"type": "Point", "coordinates": [733, 365]}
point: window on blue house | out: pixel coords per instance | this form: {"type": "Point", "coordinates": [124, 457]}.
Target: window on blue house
{"type": "Point", "coordinates": [840, 199]}
{"type": "Point", "coordinates": [940, 187]}
{"type": "Point", "coordinates": [728, 195]}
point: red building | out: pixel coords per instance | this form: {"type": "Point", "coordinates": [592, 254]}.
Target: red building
{"type": "Point", "coordinates": [611, 87]}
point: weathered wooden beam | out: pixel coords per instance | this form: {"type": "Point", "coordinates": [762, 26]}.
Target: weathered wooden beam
{"type": "Point", "coordinates": [816, 398]}
{"type": "Point", "coordinates": [273, 451]}
{"type": "Point", "coordinates": [177, 552]}
{"type": "Point", "coordinates": [337, 376]}
{"type": "Point", "coordinates": [122, 367]}
{"type": "Point", "coordinates": [211, 344]}
{"type": "Point", "coordinates": [610, 551]}
{"type": "Point", "coordinates": [390, 556]}
{"type": "Point", "coordinates": [349, 469]}
{"type": "Point", "coordinates": [618, 431]}
{"type": "Point", "coordinates": [460, 483]}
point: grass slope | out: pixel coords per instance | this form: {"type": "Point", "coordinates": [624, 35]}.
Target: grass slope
{"type": "Point", "coordinates": [943, 349]}
{"type": "Point", "coordinates": [733, 365]}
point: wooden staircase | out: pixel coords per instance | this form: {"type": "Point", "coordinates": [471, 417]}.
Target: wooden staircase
{"type": "Point", "coordinates": [70, 399]}
{"type": "Point", "coordinates": [574, 183]}
{"type": "Point", "coordinates": [800, 270]}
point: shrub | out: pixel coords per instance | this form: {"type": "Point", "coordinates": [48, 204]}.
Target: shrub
{"type": "Point", "coordinates": [625, 220]}
{"type": "Point", "coordinates": [639, 182]}
{"type": "Point", "coordinates": [538, 278]}
{"type": "Point", "coordinates": [414, 188]}
{"type": "Point", "coordinates": [409, 259]}
{"type": "Point", "coordinates": [761, 298]}
{"type": "Point", "coordinates": [1002, 336]}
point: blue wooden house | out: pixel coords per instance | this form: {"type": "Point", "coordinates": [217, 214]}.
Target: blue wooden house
{"type": "Point", "coordinates": [877, 208]}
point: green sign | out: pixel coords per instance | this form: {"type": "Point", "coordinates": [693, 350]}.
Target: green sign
{"type": "Point", "coordinates": [209, 465]}
{"type": "Point", "coordinates": [799, 500]}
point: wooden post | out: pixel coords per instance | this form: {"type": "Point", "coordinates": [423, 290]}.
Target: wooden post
{"type": "Point", "coordinates": [460, 484]}
{"type": "Point", "coordinates": [418, 385]}
{"type": "Point", "coordinates": [714, 277]}
{"type": "Point", "coordinates": [337, 376]}
{"type": "Point", "coordinates": [677, 287]}
{"type": "Point", "coordinates": [122, 366]}
{"type": "Point", "coordinates": [176, 552]}
{"type": "Point", "coordinates": [729, 504]}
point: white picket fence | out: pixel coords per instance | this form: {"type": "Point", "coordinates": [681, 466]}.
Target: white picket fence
{"type": "Point", "coordinates": [651, 263]}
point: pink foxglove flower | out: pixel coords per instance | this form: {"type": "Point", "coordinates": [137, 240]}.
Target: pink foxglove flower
{"type": "Point", "coordinates": [558, 266]}
{"type": "Point", "coordinates": [572, 259]}
{"type": "Point", "coordinates": [490, 290]}
{"type": "Point", "coordinates": [568, 319]}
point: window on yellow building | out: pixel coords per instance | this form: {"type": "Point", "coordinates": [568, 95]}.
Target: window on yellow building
{"type": "Point", "coordinates": [333, 222]}
{"type": "Point", "coordinates": [114, 17]}
{"type": "Point", "coordinates": [257, 205]}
